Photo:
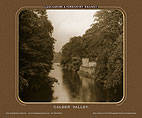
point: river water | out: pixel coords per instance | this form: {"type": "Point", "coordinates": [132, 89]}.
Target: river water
{"type": "Point", "coordinates": [72, 87]}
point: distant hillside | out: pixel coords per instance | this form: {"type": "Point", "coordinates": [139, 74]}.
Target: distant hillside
{"type": "Point", "coordinates": [57, 57]}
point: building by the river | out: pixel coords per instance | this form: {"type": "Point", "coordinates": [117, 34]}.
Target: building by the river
{"type": "Point", "coordinates": [87, 67]}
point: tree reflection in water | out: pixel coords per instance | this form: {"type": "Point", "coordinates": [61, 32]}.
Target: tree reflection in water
{"type": "Point", "coordinates": [82, 89]}
{"type": "Point", "coordinates": [73, 87]}
{"type": "Point", "coordinates": [73, 83]}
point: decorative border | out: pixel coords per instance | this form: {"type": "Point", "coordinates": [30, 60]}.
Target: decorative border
{"type": "Point", "coordinates": [65, 8]}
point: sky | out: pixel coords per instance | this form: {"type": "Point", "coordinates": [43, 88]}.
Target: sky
{"type": "Point", "coordinates": [69, 23]}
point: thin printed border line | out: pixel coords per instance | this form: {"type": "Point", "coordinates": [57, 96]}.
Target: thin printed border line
{"type": "Point", "coordinates": [114, 113]}
{"type": "Point", "coordinates": [59, 113]}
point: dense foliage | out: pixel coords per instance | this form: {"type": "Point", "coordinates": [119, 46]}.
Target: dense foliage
{"type": "Point", "coordinates": [71, 54]}
{"type": "Point", "coordinates": [103, 43]}
{"type": "Point", "coordinates": [35, 56]}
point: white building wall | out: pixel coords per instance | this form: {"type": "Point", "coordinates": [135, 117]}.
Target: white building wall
{"type": "Point", "coordinates": [92, 64]}
{"type": "Point", "coordinates": [85, 62]}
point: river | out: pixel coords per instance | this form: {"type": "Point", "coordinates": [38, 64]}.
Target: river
{"type": "Point", "coordinates": [72, 87]}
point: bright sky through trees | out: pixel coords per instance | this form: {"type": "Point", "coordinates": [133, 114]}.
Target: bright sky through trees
{"type": "Point", "coordinates": [69, 23]}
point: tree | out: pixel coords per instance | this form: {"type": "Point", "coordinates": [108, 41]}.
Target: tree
{"type": "Point", "coordinates": [35, 55]}
{"type": "Point", "coordinates": [103, 43]}
{"type": "Point", "coordinates": [71, 54]}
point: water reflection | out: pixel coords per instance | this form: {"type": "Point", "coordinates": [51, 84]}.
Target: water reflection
{"type": "Point", "coordinates": [73, 83]}
{"type": "Point", "coordinates": [61, 93]}
{"type": "Point", "coordinates": [82, 89]}
{"type": "Point", "coordinates": [72, 87]}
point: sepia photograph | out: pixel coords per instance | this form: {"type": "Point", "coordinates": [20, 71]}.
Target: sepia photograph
{"type": "Point", "coordinates": [71, 55]}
